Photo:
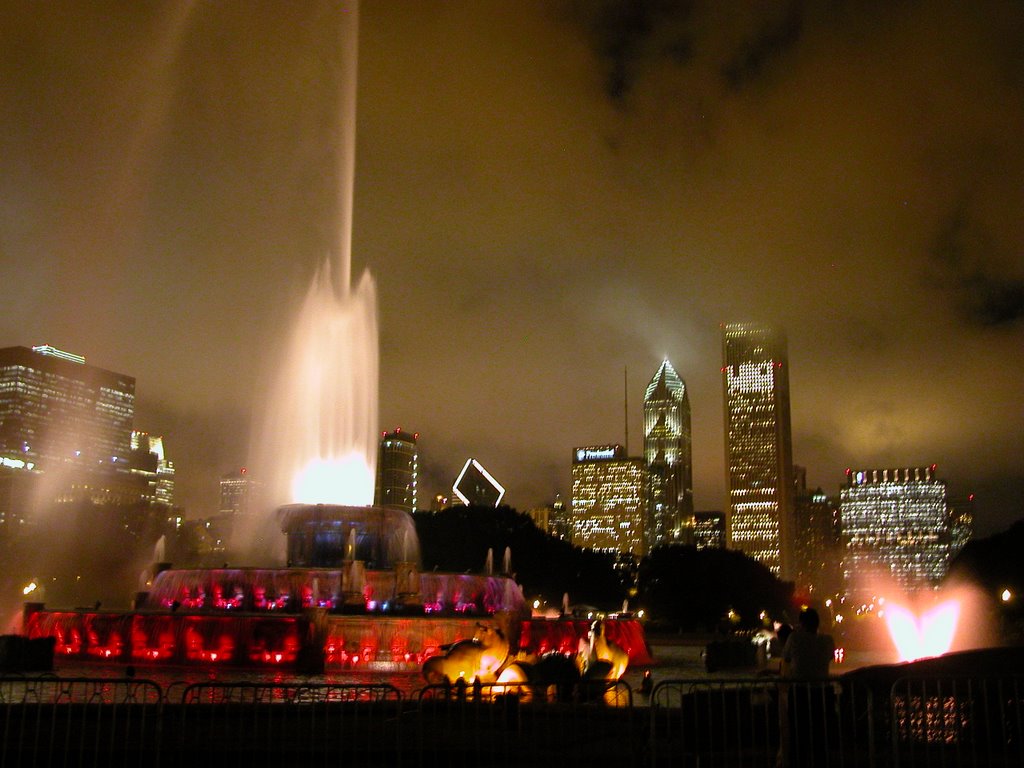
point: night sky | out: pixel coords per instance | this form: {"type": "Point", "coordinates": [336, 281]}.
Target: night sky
{"type": "Point", "coordinates": [546, 193]}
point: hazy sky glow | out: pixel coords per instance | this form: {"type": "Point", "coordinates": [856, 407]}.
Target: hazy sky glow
{"type": "Point", "coordinates": [546, 192]}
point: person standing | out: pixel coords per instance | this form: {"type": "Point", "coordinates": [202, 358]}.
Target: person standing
{"type": "Point", "coordinates": [807, 698]}
{"type": "Point", "coordinates": [807, 653]}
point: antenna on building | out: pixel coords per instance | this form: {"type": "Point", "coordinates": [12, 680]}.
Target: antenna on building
{"type": "Point", "coordinates": [625, 402]}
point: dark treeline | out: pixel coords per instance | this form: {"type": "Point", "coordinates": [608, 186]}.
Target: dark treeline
{"type": "Point", "coordinates": [457, 539]}
{"type": "Point", "coordinates": [690, 589]}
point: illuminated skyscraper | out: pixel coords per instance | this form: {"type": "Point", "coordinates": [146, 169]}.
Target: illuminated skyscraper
{"type": "Point", "coordinates": [896, 529]}
{"type": "Point", "coordinates": [148, 460]}
{"type": "Point", "coordinates": [709, 530]}
{"type": "Point", "coordinates": [397, 471]}
{"type": "Point", "coordinates": [668, 459]}
{"type": "Point", "coordinates": [237, 493]}
{"type": "Point", "coordinates": [608, 507]}
{"type": "Point", "coordinates": [758, 444]}
{"type": "Point", "coordinates": [58, 412]}
{"type": "Point", "coordinates": [65, 432]}
{"type": "Point", "coordinates": [961, 523]}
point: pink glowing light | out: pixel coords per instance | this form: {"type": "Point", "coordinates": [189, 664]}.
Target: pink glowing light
{"type": "Point", "coordinates": [924, 637]}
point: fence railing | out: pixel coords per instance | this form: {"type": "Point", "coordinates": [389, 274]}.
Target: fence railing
{"type": "Point", "coordinates": [50, 721]}
{"type": "Point", "coordinates": [958, 721]}
{"type": "Point", "coordinates": [912, 721]}
{"type": "Point", "coordinates": [761, 722]}
{"type": "Point", "coordinates": [590, 723]}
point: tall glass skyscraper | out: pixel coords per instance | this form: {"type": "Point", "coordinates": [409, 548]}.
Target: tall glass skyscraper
{"type": "Point", "coordinates": [668, 458]}
{"type": "Point", "coordinates": [758, 444]}
{"type": "Point", "coordinates": [398, 471]}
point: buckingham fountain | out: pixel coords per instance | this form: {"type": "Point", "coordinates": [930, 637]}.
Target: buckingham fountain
{"type": "Point", "coordinates": [352, 594]}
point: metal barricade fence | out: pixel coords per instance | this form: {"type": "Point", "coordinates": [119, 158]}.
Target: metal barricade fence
{"type": "Point", "coordinates": [957, 721]}
{"type": "Point", "coordinates": [761, 722]}
{"type": "Point", "coordinates": [288, 724]}
{"type": "Point", "coordinates": [871, 721]}
{"type": "Point", "coordinates": [47, 720]}
{"type": "Point", "coordinates": [502, 724]}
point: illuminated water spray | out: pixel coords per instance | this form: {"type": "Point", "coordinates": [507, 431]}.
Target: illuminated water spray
{"type": "Point", "coordinates": [929, 634]}
{"type": "Point", "coordinates": [320, 427]}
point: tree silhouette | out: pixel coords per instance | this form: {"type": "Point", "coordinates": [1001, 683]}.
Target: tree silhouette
{"type": "Point", "coordinates": [686, 588]}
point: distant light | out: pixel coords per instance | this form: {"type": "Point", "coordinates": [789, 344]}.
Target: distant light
{"type": "Point", "coordinates": [1006, 596]}
{"type": "Point", "coordinates": [28, 590]}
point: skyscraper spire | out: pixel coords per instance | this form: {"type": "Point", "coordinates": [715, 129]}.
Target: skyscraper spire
{"type": "Point", "coordinates": [668, 458]}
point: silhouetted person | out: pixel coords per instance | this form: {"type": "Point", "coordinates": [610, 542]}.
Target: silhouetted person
{"type": "Point", "coordinates": [807, 654]}
{"type": "Point", "coordinates": [804, 704]}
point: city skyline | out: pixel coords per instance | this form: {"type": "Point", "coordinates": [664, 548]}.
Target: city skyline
{"type": "Point", "coordinates": [540, 206]}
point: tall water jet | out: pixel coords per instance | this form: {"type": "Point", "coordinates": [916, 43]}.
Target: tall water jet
{"type": "Point", "coordinates": [317, 443]}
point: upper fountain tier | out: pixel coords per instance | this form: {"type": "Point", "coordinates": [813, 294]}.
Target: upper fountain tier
{"type": "Point", "coordinates": [327, 535]}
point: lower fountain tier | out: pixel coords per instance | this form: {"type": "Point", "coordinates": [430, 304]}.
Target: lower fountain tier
{"type": "Point", "coordinates": [384, 643]}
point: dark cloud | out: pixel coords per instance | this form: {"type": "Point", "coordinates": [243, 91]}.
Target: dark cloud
{"type": "Point", "coordinates": [774, 34]}
{"type": "Point", "coordinates": [626, 33]}
{"type": "Point", "coordinates": [630, 37]}
{"type": "Point", "coordinates": [966, 261]}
